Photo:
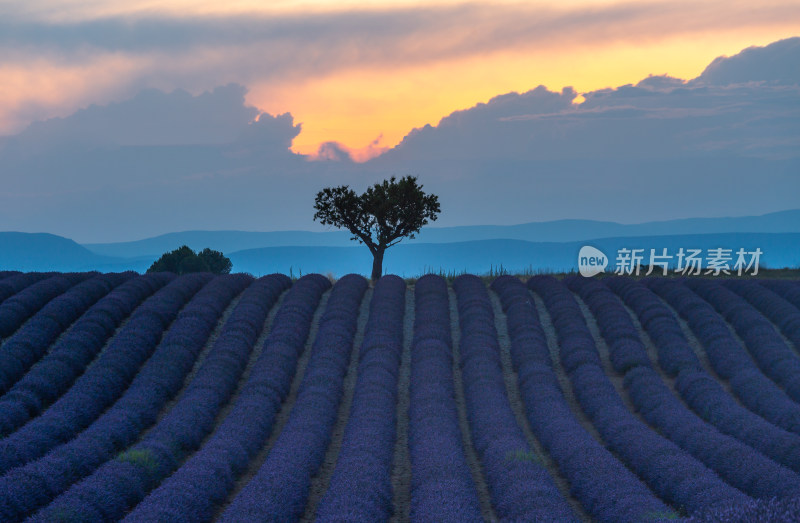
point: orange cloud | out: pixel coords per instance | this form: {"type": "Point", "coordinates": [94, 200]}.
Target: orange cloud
{"type": "Point", "coordinates": [43, 89]}
{"type": "Point", "coordinates": [348, 71]}
{"type": "Point", "coordinates": [353, 105]}
{"type": "Point", "coordinates": [336, 151]}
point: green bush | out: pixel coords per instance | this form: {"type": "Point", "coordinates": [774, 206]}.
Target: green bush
{"type": "Point", "coordinates": [216, 262]}
{"type": "Point", "coordinates": [184, 260]}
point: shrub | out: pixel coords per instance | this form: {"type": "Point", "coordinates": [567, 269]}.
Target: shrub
{"type": "Point", "coordinates": [184, 260]}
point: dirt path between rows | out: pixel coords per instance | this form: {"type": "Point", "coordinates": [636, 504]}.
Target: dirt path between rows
{"type": "Point", "coordinates": [518, 406]}
{"type": "Point", "coordinates": [700, 351]}
{"type": "Point", "coordinates": [616, 379]}
{"type": "Point", "coordinates": [201, 358]}
{"type": "Point", "coordinates": [258, 347]}
{"type": "Point", "coordinates": [566, 386]}
{"type": "Point", "coordinates": [321, 480]}
{"type": "Point", "coordinates": [474, 463]}
{"type": "Point", "coordinates": [401, 469]}
{"type": "Point", "coordinates": [286, 408]}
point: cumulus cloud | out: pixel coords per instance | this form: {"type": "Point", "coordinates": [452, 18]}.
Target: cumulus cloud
{"type": "Point", "coordinates": [482, 131]}
{"type": "Point", "coordinates": [660, 82]}
{"type": "Point", "coordinates": [662, 148]}
{"type": "Point", "coordinates": [153, 117]}
{"type": "Point", "coordinates": [338, 152]}
{"type": "Point", "coordinates": [333, 152]}
{"type": "Point", "coordinates": [286, 43]}
{"type": "Point", "coordinates": [656, 118]}
{"type": "Point", "coordinates": [158, 159]}
{"type": "Point", "coordinates": [93, 52]}
{"type": "Point", "coordinates": [267, 134]}
{"type": "Point", "coordinates": [777, 63]}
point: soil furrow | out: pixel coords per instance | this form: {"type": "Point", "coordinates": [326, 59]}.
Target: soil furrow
{"type": "Point", "coordinates": [517, 405]}
{"type": "Point", "coordinates": [254, 354]}
{"type": "Point", "coordinates": [401, 471]}
{"type": "Point", "coordinates": [699, 350]}
{"type": "Point", "coordinates": [201, 357]}
{"type": "Point", "coordinates": [566, 385]}
{"type": "Point", "coordinates": [286, 408]}
{"type": "Point", "coordinates": [474, 463]}
{"type": "Point", "coordinates": [613, 376]}
{"type": "Point", "coordinates": [320, 482]}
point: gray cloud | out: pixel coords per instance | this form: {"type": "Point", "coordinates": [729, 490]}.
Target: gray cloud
{"type": "Point", "coordinates": [777, 63]}
{"type": "Point", "coordinates": [321, 42]}
{"type": "Point", "coordinates": [152, 117]}
{"type": "Point", "coordinates": [656, 150]}
{"type": "Point", "coordinates": [334, 152]}
{"type": "Point", "coordinates": [155, 142]}
{"type": "Point", "coordinates": [145, 49]}
{"type": "Point", "coordinates": [660, 149]}
{"type": "Point", "coordinates": [655, 118]}
{"type": "Point", "coordinates": [633, 122]}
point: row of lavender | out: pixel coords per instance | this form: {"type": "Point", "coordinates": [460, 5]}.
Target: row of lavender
{"type": "Point", "coordinates": [208, 477]}
{"type": "Point", "coordinates": [145, 464]}
{"type": "Point", "coordinates": [763, 409]}
{"type": "Point", "coordinates": [729, 359]}
{"type": "Point", "coordinates": [736, 463]}
{"type": "Point", "coordinates": [53, 464]}
{"type": "Point", "coordinates": [360, 487]}
{"type": "Point", "coordinates": [521, 488]}
{"type": "Point", "coordinates": [668, 470]}
{"type": "Point", "coordinates": [603, 485]}
{"type": "Point", "coordinates": [442, 487]}
{"type": "Point", "coordinates": [699, 389]}
{"type": "Point", "coordinates": [102, 382]}
{"type": "Point", "coordinates": [143, 373]}
{"type": "Point", "coordinates": [84, 403]}
{"type": "Point", "coordinates": [54, 373]}
{"type": "Point", "coordinates": [279, 489]}
{"type": "Point", "coordinates": [698, 466]}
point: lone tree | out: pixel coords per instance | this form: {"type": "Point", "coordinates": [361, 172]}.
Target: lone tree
{"type": "Point", "coordinates": [184, 260]}
{"type": "Point", "coordinates": [381, 217]}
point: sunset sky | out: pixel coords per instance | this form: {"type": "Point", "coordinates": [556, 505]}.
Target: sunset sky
{"type": "Point", "coordinates": [352, 72]}
{"type": "Point", "coordinates": [123, 120]}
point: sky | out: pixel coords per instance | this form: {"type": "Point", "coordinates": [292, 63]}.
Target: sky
{"type": "Point", "coordinates": [120, 120]}
{"type": "Point", "coordinates": [357, 73]}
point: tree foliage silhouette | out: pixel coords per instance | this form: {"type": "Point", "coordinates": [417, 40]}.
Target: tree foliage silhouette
{"type": "Point", "coordinates": [381, 217]}
{"type": "Point", "coordinates": [184, 260]}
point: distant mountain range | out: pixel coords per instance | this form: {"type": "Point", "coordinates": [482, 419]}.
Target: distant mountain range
{"type": "Point", "coordinates": [480, 256]}
{"type": "Point", "coordinates": [552, 231]}
{"type": "Point", "coordinates": [538, 246]}
{"type": "Point", "coordinates": [48, 252]}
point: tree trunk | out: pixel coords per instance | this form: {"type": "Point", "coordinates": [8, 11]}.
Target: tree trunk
{"type": "Point", "coordinates": [377, 264]}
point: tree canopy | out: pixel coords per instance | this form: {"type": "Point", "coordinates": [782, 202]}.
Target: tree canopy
{"type": "Point", "coordinates": [184, 260]}
{"type": "Point", "coordinates": [381, 217]}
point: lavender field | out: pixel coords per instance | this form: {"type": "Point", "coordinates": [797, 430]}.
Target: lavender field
{"type": "Point", "coordinates": [139, 398]}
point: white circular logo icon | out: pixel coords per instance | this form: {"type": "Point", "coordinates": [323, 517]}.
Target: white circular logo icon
{"type": "Point", "coordinates": [591, 261]}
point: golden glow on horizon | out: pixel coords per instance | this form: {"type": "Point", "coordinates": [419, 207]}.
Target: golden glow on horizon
{"type": "Point", "coordinates": [355, 107]}
{"type": "Point", "coordinates": [56, 88]}
{"type": "Point", "coordinates": [89, 9]}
